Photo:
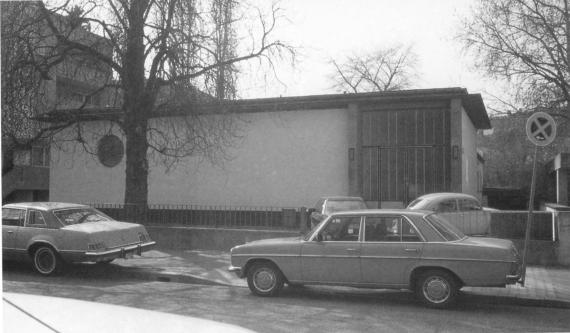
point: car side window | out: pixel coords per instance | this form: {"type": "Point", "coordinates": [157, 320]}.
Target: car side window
{"type": "Point", "coordinates": [35, 219]}
{"type": "Point", "coordinates": [469, 205]}
{"type": "Point", "coordinates": [13, 217]}
{"type": "Point", "coordinates": [343, 228]}
{"type": "Point", "coordinates": [389, 229]}
{"type": "Point", "coordinates": [447, 206]}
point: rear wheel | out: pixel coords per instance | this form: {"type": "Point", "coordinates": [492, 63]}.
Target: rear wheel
{"type": "Point", "coordinates": [264, 279]}
{"type": "Point", "coordinates": [437, 288]}
{"type": "Point", "coordinates": [46, 260]}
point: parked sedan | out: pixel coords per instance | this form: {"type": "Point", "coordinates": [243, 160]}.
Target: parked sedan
{"type": "Point", "coordinates": [462, 210]}
{"type": "Point", "coordinates": [398, 249]}
{"type": "Point", "coordinates": [328, 205]}
{"type": "Point", "coordinates": [51, 234]}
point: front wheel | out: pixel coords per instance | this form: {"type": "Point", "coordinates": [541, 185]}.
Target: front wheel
{"type": "Point", "coordinates": [437, 288]}
{"type": "Point", "coordinates": [46, 260]}
{"type": "Point", "coordinates": [264, 279]}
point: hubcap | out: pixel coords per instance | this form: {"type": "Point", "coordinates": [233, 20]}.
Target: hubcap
{"type": "Point", "coordinates": [264, 279]}
{"type": "Point", "coordinates": [436, 289]}
{"type": "Point", "coordinates": [45, 261]}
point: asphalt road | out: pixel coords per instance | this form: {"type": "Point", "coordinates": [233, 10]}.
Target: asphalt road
{"type": "Point", "coordinates": [309, 309]}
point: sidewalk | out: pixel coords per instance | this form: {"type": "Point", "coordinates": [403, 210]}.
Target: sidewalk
{"type": "Point", "coordinates": [544, 286]}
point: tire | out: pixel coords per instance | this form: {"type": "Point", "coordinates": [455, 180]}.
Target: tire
{"type": "Point", "coordinates": [264, 279]}
{"type": "Point", "coordinates": [437, 289]}
{"type": "Point", "coordinates": [46, 260]}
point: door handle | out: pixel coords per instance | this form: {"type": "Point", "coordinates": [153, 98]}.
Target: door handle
{"type": "Point", "coordinates": [10, 232]}
{"type": "Point", "coordinates": [351, 250]}
{"type": "Point", "coordinates": [411, 250]}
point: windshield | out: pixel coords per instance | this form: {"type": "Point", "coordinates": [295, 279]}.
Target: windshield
{"type": "Point", "coordinates": [446, 229]}
{"type": "Point", "coordinates": [308, 234]}
{"type": "Point", "coordinates": [341, 206]}
{"type": "Point", "coordinates": [80, 215]}
{"type": "Point", "coordinates": [418, 203]}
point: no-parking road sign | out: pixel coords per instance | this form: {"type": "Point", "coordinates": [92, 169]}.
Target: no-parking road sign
{"type": "Point", "coordinates": [541, 129]}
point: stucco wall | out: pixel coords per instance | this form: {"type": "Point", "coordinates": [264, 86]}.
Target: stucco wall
{"type": "Point", "coordinates": [78, 176]}
{"type": "Point", "coordinates": [287, 158]}
{"type": "Point", "coordinates": [469, 156]}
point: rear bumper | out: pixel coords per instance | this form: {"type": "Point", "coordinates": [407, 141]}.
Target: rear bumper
{"type": "Point", "coordinates": [107, 255]}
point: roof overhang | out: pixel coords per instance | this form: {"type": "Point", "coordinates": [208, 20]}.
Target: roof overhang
{"type": "Point", "coordinates": [472, 103]}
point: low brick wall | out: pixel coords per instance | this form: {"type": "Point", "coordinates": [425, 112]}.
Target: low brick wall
{"type": "Point", "coordinates": [190, 238]}
{"type": "Point", "coordinates": [540, 252]}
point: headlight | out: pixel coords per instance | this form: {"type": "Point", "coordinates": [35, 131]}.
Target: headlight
{"type": "Point", "coordinates": [96, 246]}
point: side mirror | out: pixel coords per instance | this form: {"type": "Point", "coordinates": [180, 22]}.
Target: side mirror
{"type": "Point", "coordinates": [310, 211]}
{"type": "Point", "coordinates": [319, 237]}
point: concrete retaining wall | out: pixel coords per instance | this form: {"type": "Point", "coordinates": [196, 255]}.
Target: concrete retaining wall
{"type": "Point", "coordinates": [189, 238]}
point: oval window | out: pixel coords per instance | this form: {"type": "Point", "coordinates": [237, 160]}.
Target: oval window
{"type": "Point", "coordinates": [110, 150]}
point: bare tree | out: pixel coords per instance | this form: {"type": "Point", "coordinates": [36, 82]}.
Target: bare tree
{"type": "Point", "coordinates": [165, 54]}
{"type": "Point", "coordinates": [28, 58]}
{"type": "Point", "coordinates": [525, 42]}
{"type": "Point", "coordinates": [386, 69]}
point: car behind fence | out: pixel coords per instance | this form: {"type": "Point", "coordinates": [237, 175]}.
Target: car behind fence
{"type": "Point", "coordinates": [502, 224]}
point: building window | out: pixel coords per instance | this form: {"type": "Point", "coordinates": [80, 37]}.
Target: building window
{"type": "Point", "coordinates": [110, 150]}
{"type": "Point", "coordinates": [40, 156]}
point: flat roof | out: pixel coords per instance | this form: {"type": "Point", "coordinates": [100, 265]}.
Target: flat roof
{"type": "Point", "coordinates": [472, 103]}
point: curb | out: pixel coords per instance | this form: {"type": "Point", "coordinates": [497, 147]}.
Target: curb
{"type": "Point", "coordinates": [515, 300]}
{"type": "Point", "coordinates": [172, 277]}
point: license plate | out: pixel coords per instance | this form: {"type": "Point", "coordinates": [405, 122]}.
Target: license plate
{"type": "Point", "coordinates": [129, 255]}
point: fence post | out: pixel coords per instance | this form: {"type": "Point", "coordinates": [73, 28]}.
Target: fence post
{"type": "Point", "coordinates": [303, 219]}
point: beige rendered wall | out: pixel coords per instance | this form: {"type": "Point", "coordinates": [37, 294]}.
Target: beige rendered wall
{"type": "Point", "coordinates": [469, 156]}
{"type": "Point", "coordinates": [78, 176]}
{"type": "Point", "coordinates": [284, 159]}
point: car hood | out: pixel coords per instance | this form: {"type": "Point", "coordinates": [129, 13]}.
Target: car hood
{"type": "Point", "coordinates": [276, 241]}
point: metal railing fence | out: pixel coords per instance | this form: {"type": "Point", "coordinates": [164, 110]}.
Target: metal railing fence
{"type": "Point", "coordinates": [211, 216]}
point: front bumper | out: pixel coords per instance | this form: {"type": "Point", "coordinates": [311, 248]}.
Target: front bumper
{"type": "Point", "coordinates": [119, 252]}
{"type": "Point", "coordinates": [237, 270]}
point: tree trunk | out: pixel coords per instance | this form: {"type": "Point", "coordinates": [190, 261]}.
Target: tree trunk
{"type": "Point", "coordinates": [138, 103]}
{"type": "Point", "coordinates": [136, 185]}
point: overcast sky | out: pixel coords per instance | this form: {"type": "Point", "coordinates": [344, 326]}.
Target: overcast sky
{"type": "Point", "coordinates": [325, 29]}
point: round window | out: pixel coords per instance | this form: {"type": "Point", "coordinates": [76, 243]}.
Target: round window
{"type": "Point", "coordinates": [110, 150]}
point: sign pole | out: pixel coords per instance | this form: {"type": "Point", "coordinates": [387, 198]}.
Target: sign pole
{"type": "Point", "coordinates": [529, 217]}
{"type": "Point", "coordinates": [541, 131]}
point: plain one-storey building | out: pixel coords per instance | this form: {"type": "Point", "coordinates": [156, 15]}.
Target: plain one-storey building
{"type": "Point", "coordinates": [388, 147]}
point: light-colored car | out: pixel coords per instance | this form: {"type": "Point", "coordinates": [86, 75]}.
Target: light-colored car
{"type": "Point", "coordinates": [33, 313]}
{"type": "Point", "coordinates": [462, 210]}
{"type": "Point", "coordinates": [397, 249]}
{"type": "Point", "coordinates": [51, 234]}
{"type": "Point", "coordinates": [328, 205]}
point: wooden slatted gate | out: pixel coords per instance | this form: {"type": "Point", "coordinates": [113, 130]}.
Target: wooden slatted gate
{"type": "Point", "coordinates": [405, 153]}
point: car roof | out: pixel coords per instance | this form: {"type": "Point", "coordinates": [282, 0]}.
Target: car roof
{"type": "Point", "coordinates": [342, 198]}
{"type": "Point", "coordinates": [445, 195]}
{"type": "Point", "coordinates": [390, 211]}
{"type": "Point", "coordinates": [43, 205]}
